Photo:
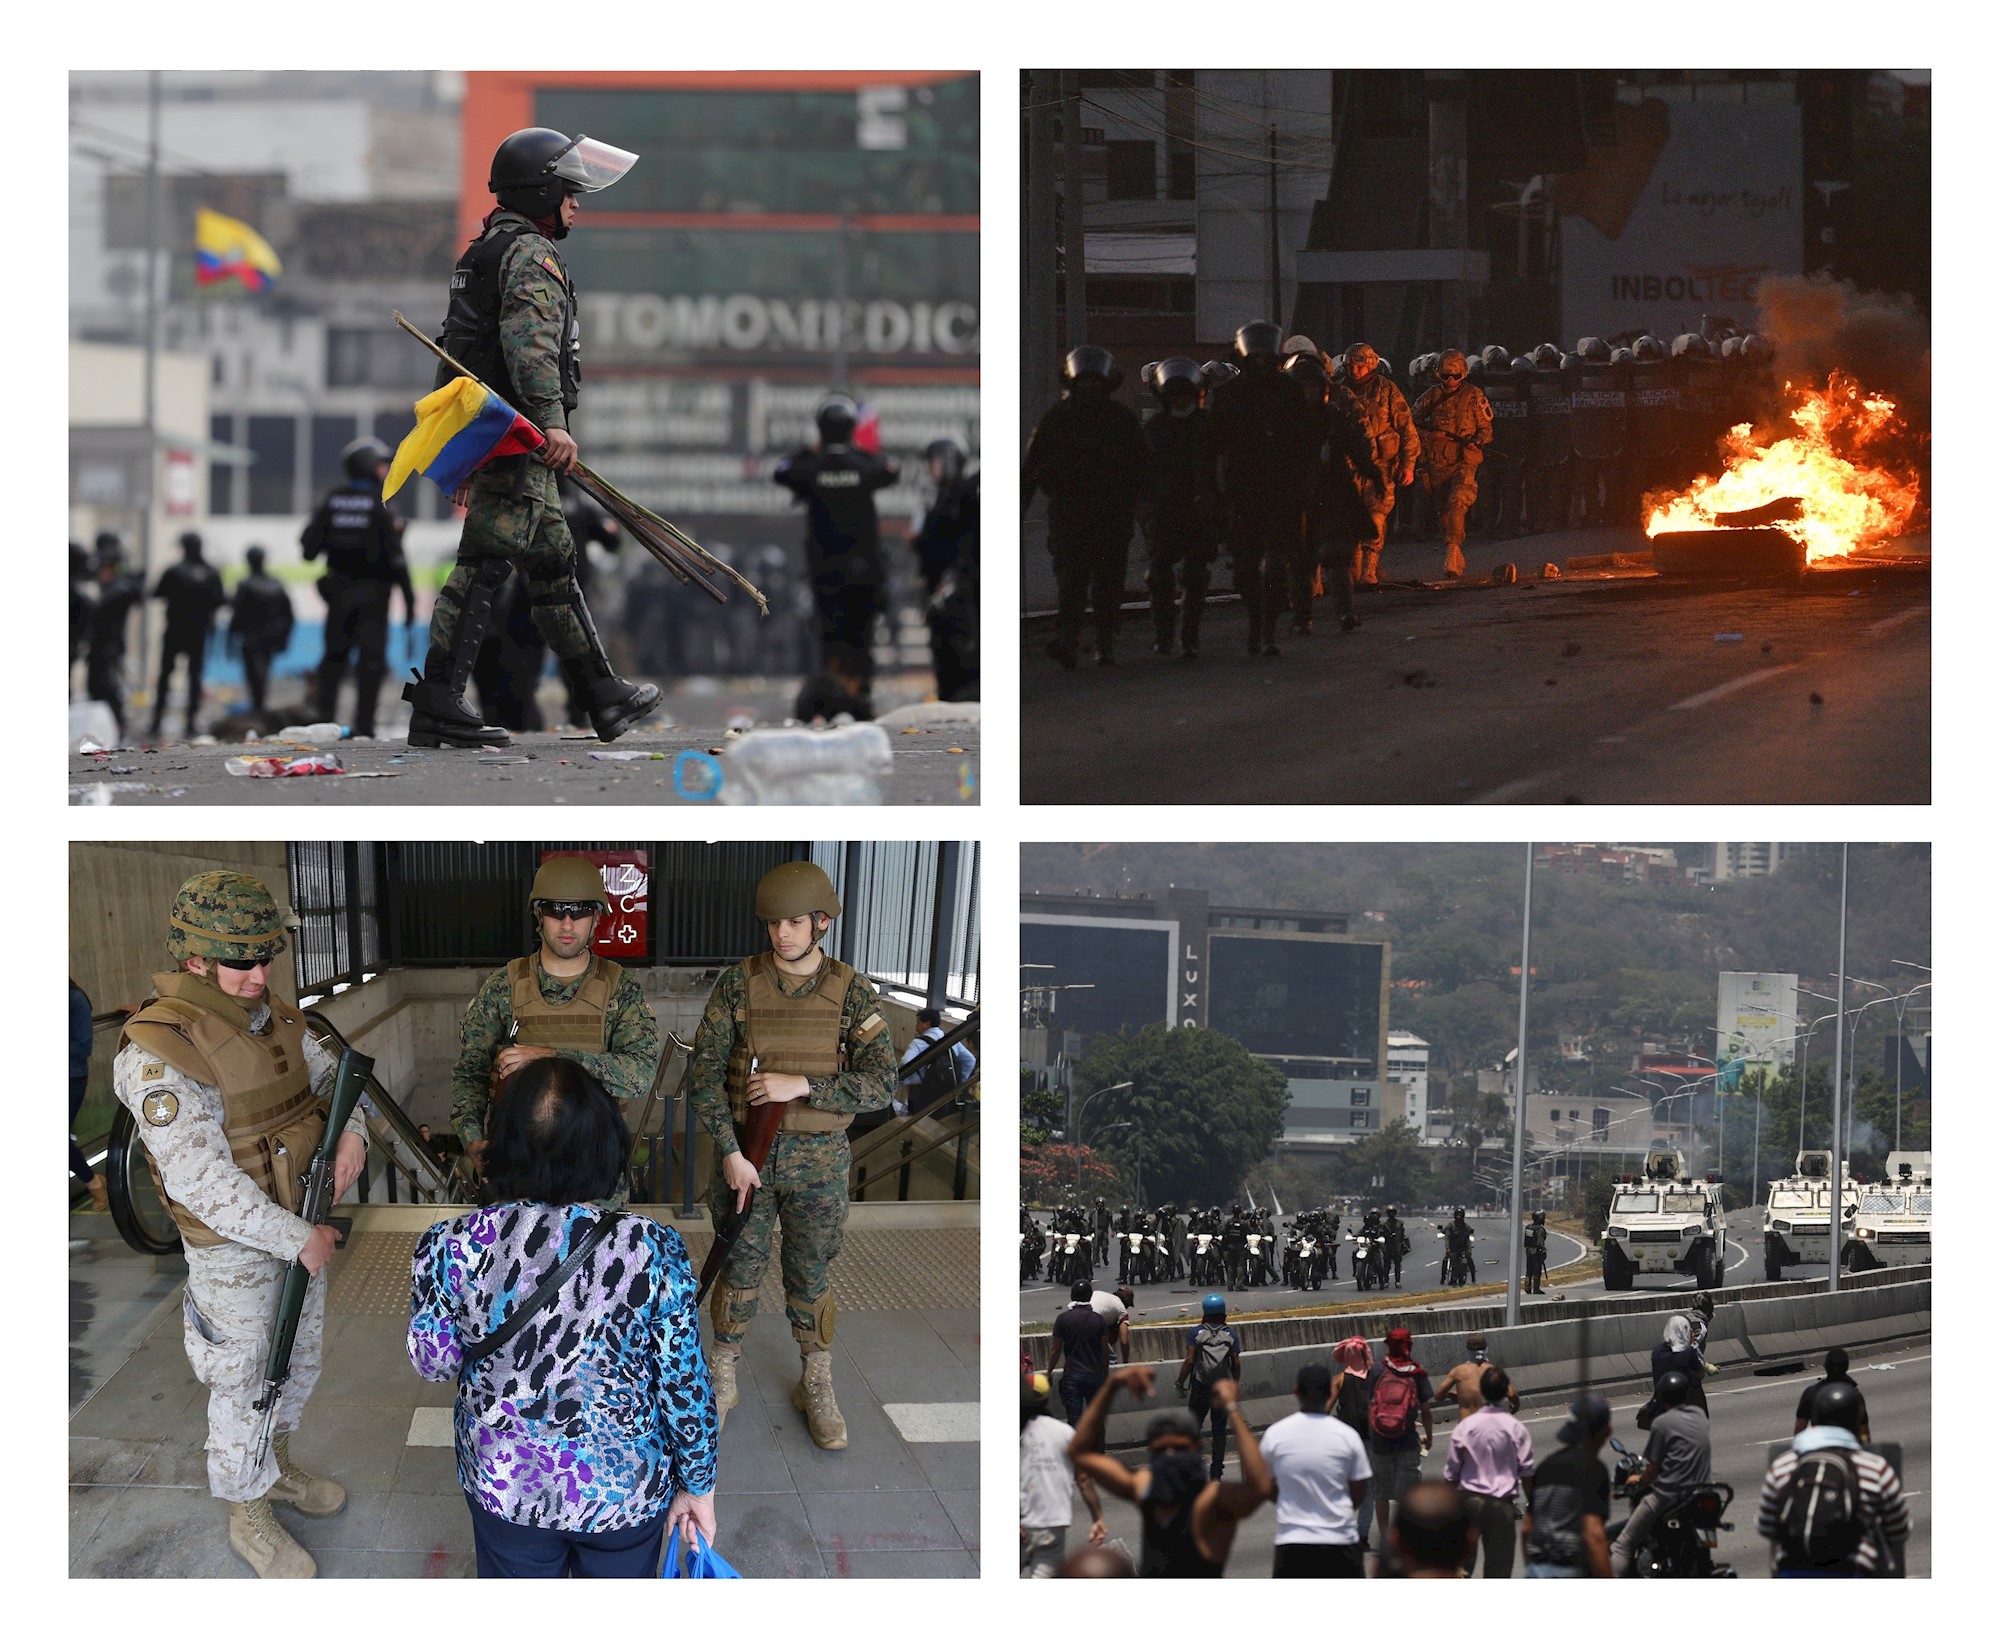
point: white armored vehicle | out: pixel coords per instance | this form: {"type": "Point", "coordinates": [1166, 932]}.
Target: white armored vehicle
{"type": "Point", "coordinates": [1665, 1222]}
{"type": "Point", "coordinates": [1795, 1214]}
{"type": "Point", "coordinates": [1892, 1218]}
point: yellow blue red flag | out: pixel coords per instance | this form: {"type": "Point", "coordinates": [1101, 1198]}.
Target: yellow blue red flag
{"type": "Point", "coordinates": [460, 428]}
{"type": "Point", "coordinates": [225, 249]}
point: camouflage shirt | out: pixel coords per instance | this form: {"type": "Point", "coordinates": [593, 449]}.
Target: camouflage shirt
{"type": "Point", "coordinates": [868, 1084]}
{"type": "Point", "coordinates": [625, 1070]}
{"type": "Point", "coordinates": [531, 314]}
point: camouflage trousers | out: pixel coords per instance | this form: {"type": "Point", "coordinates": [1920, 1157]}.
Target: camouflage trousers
{"type": "Point", "coordinates": [1378, 503]}
{"type": "Point", "coordinates": [226, 1315]}
{"type": "Point", "coordinates": [530, 533]}
{"type": "Point", "coordinates": [1454, 490]}
{"type": "Point", "coordinates": [804, 1198]}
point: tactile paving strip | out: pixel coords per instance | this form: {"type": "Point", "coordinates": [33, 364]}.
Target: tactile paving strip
{"type": "Point", "coordinates": [878, 1269]}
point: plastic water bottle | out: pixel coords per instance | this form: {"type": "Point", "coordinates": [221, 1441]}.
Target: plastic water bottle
{"type": "Point", "coordinates": [320, 731]}
{"type": "Point", "coordinates": [842, 766]}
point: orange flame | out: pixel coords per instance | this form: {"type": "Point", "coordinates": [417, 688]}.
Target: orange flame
{"type": "Point", "coordinates": [1847, 465]}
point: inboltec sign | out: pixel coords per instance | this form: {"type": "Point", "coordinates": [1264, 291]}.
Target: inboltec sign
{"type": "Point", "coordinates": [628, 323]}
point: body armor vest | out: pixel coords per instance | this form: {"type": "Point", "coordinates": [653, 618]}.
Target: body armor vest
{"type": "Point", "coordinates": [472, 322]}
{"type": "Point", "coordinates": [579, 1025]}
{"type": "Point", "coordinates": [270, 1117]}
{"type": "Point", "coordinates": [805, 1035]}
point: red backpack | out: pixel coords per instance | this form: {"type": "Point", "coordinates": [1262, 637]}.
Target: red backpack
{"type": "Point", "coordinates": [1393, 1408]}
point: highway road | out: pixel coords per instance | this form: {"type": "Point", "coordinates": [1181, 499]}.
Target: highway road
{"type": "Point", "coordinates": [1748, 1414]}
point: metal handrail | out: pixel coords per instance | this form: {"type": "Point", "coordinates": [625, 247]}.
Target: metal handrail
{"type": "Point", "coordinates": [395, 1126]}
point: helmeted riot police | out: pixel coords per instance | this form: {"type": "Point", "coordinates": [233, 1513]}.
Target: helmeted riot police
{"type": "Point", "coordinates": [1089, 454]}
{"type": "Point", "coordinates": [1340, 466]}
{"type": "Point", "coordinates": [513, 321]}
{"type": "Point", "coordinates": [1535, 1247]}
{"type": "Point", "coordinates": [1265, 436]}
{"type": "Point", "coordinates": [1458, 1257]}
{"type": "Point", "coordinates": [260, 623]}
{"type": "Point", "coordinates": [947, 546]}
{"type": "Point", "coordinates": [117, 592]}
{"type": "Point", "coordinates": [1182, 517]}
{"type": "Point", "coordinates": [192, 592]}
{"type": "Point", "coordinates": [1398, 1246]}
{"type": "Point", "coordinates": [363, 545]}
{"type": "Point", "coordinates": [836, 481]}
{"type": "Point", "coordinates": [1548, 425]}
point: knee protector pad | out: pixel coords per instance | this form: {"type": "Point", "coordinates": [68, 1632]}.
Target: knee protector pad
{"type": "Point", "coordinates": [731, 1308]}
{"type": "Point", "coordinates": [818, 1336]}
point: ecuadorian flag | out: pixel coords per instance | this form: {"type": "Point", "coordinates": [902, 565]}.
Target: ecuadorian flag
{"type": "Point", "coordinates": [460, 428]}
{"type": "Point", "coordinates": [225, 249]}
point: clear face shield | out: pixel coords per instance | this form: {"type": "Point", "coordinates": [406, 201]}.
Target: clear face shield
{"type": "Point", "coordinates": [589, 165]}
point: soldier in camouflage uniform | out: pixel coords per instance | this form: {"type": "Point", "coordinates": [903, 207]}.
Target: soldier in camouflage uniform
{"type": "Point", "coordinates": [513, 323]}
{"type": "Point", "coordinates": [223, 1081]}
{"type": "Point", "coordinates": [1385, 414]}
{"type": "Point", "coordinates": [562, 1001]}
{"type": "Point", "coordinates": [797, 1027]}
{"type": "Point", "coordinates": [1457, 426]}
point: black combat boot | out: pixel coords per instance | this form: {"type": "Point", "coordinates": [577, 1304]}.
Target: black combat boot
{"type": "Point", "coordinates": [440, 717]}
{"type": "Point", "coordinates": [612, 703]}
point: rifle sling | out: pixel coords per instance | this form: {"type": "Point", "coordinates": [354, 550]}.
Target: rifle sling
{"type": "Point", "coordinates": [545, 1293]}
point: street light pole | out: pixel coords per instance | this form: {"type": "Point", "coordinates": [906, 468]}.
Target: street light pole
{"type": "Point", "coordinates": [1520, 1098]}
{"type": "Point", "coordinates": [1839, 1024]}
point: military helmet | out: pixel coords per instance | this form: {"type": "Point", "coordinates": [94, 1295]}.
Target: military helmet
{"type": "Point", "coordinates": [225, 916]}
{"type": "Point", "coordinates": [568, 879]}
{"type": "Point", "coordinates": [1179, 370]}
{"type": "Point", "coordinates": [1088, 360]}
{"type": "Point", "coordinates": [1522, 363]}
{"type": "Point", "coordinates": [1259, 337]}
{"type": "Point", "coordinates": [795, 888]}
{"type": "Point", "coordinates": [1622, 356]}
{"type": "Point", "coordinates": [1219, 371]}
{"type": "Point", "coordinates": [1540, 1215]}
{"type": "Point", "coordinates": [362, 458]}
{"type": "Point", "coordinates": [1547, 357]}
{"type": "Point", "coordinates": [1300, 343]}
{"type": "Point", "coordinates": [1593, 349]}
{"type": "Point", "coordinates": [1149, 374]}
{"type": "Point", "coordinates": [1756, 347]}
{"type": "Point", "coordinates": [1692, 345]}
{"type": "Point", "coordinates": [1647, 347]}
{"type": "Point", "coordinates": [1674, 1387]}
{"type": "Point", "coordinates": [1837, 1405]}
{"type": "Point", "coordinates": [1732, 347]}
{"type": "Point", "coordinates": [1309, 369]}
{"type": "Point", "coordinates": [836, 419]}
{"type": "Point", "coordinates": [1360, 355]}
{"type": "Point", "coordinates": [1441, 362]}
{"type": "Point", "coordinates": [1494, 357]}
{"type": "Point", "coordinates": [950, 456]}
{"type": "Point", "coordinates": [535, 167]}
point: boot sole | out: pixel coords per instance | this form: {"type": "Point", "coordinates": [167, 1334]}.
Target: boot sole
{"type": "Point", "coordinates": [454, 739]}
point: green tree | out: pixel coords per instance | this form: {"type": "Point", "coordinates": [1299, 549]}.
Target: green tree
{"type": "Point", "coordinates": [1041, 1115]}
{"type": "Point", "coordinates": [1388, 1167]}
{"type": "Point", "coordinates": [1200, 1111]}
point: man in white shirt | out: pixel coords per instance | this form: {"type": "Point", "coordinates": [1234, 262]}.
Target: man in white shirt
{"type": "Point", "coordinates": [1319, 1479]}
{"type": "Point", "coordinates": [1046, 1475]}
{"type": "Point", "coordinates": [1116, 1307]}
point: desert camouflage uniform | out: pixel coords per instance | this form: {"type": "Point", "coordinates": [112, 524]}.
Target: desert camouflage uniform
{"type": "Point", "coordinates": [1457, 429]}
{"type": "Point", "coordinates": [515, 513]}
{"type": "Point", "coordinates": [1385, 416]}
{"type": "Point", "coordinates": [626, 1069]}
{"type": "Point", "coordinates": [232, 1289]}
{"type": "Point", "coordinates": [804, 1191]}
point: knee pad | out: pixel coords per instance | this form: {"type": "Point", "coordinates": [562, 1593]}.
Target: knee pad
{"type": "Point", "coordinates": [731, 1308]}
{"type": "Point", "coordinates": [818, 1336]}
{"type": "Point", "coordinates": [490, 573]}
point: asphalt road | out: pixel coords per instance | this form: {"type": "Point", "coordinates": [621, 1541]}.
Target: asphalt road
{"type": "Point", "coordinates": [1747, 1415]}
{"type": "Point", "coordinates": [937, 764]}
{"type": "Point", "coordinates": [1570, 691]}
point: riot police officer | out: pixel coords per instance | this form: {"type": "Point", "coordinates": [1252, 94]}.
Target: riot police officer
{"type": "Point", "coordinates": [193, 594]}
{"type": "Point", "coordinates": [362, 540]}
{"type": "Point", "coordinates": [1535, 1247]}
{"type": "Point", "coordinates": [117, 592]}
{"type": "Point", "coordinates": [947, 548]}
{"type": "Point", "coordinates": [1398, 1245]}
{"type": "Point", "coordinates": [1182, 516]}
{"type": "Point", "coordinates": [1457, 1243]}
{"type": "Point", "coordinates": [513, 321]}
{"type": "Point", "coordinates": [1456, 425]}
{"type": "Point", "coordinates": [1089, 454]}
{"type": "Point", "coordinates": [836, 481]}
{"type": "Point", "coordinates": [1341, 463]}
{"type": "Point", "coordinates": [260, 623]}
{"type": "Point", "coordinates": [1265, 438]}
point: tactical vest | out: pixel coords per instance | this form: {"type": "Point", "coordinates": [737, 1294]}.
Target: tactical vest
{"type": "Point", "coordinates": [472, 322]}
{"type": "Point", "coordinates": [270, 1118]}
{"type": "Point", "coordinates": [359, 540]}
{"type": "Point", "coordinates": [579, 1025]}
{"type": "Point", "coordinates": [805, 1035]}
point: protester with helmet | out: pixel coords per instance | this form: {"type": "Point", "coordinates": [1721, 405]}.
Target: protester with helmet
{"type": "Point", "coordinates": [1830, 1507]}
{"type": "Point", "coordinates": [363, 544]}
{"type": "Point", "coordinates": [836, 481]}
{"type": "Point", "coordinates": [260, 623]}
{"type": "Point", "coordinates": [1457, 427]}
{"type": "Point", "coordinates": [1265, 437]}
{"type": "Point", "coordinates": [223, 1079]}
{"type": "Point", "coordinates": [1214, 1354]}
{"type": "Point", "coordinates": [798, 1027]}
{"type": "Point", "coordinates": [192, 593]}
{"type": "Point", "coordinates": [947, 548]}
{"type": "Point", "coordinates": [1089, 454]}
{"type": "Point", "coordinates": [1182, 516]}
{"type": "Point", "coordinates": [562, 1000]}
{"type": "Point", "coordinates": [512, 321]}
{"type": "Point", "coordinates": [1385, 416]}
{"type": "Point", "coordinates": [1677, 1459]}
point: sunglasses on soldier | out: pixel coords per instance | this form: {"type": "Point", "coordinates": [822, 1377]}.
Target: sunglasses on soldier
{"type": "Point", "coordinates": [244, 965]}
{"type": "Point", "coordinates": [1451, 376]}
{"type": "Point", "coordinates": [567, 910]}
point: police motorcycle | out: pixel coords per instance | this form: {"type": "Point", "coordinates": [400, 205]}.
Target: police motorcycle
{"type": "Point", "coordinates": [1072, 1258]}
{"type": "Point", "coordinates": [1135, 1258]}
{"type": "Point", "coordinates": [1204, 1260]}
{"type": "Point", "coordinates": [1457, 1267]}
{"type": "Point", "coordinates": [1256, 1259]}
{"type": "Point", "coordinates": [1289, 1262]}
{"type": "Point", "coordinates": [1371, 1259]}
{"type": "Point", "coordinates": [1312, 1262]}
{"type": "Point", "coordinates": [1682, 1540]}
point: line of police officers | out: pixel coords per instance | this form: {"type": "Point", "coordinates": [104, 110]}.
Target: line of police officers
{"type": "Point", "coordinates": [1305, 464]}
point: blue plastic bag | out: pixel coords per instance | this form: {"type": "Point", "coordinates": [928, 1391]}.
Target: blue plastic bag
{"type": "Point", "coordinates": [702, 1560]}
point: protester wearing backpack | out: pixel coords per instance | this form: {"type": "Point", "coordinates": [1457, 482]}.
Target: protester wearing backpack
{"type": "Point", "coordinates": [1399, 1410]}
{"type": "Point", "coordinates": [941, 1075]}
{"type": "Point", "coordinates": [1677, 1460]}
{"type": "Point", "coordinates": [1214, 1354]}
{"type": "Point", "coordinates": [1829, 1507]}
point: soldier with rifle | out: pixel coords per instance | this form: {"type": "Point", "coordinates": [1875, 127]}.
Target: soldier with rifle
{"type": "Point", "coordinates": [792, 1046]}
{"type": "Point", "coordinates": [233, 1097]}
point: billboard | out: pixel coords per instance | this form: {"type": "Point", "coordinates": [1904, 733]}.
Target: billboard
{"type": "Point", "coordinates": [1756, 1019]}
{"type": "Point", "coordinates": [1683, 216]}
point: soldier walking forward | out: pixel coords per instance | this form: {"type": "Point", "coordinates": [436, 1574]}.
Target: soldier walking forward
{"type": "Point", "coordinates": [798, 1027]}
{"type": "Point", "coordinates": [229, 1091]}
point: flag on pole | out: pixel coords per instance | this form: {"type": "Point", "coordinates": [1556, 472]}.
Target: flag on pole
{"type": "Point", "coordinates": [225, 249]}
{"type": "Point", "coordinates": [460, 428]}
